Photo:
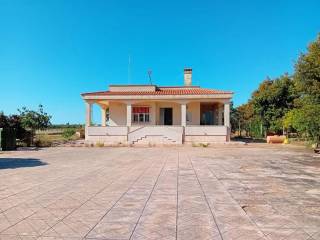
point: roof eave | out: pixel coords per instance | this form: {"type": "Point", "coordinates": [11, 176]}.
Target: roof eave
{"type": "Point", "coordinates": [156, 97]}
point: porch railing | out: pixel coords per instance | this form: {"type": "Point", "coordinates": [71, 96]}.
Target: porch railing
{"type": "Point", "coordinates": [107, 131]}
{"type": "Point", "coordinates": [173, 133]}
{"type": "Point", "coordinates": [206, 131]}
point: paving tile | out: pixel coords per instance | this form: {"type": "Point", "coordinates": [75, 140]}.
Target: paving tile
{"type": "Point", "coordinates": [230, 192]}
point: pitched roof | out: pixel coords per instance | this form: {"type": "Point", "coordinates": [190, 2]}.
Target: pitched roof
{"type": "Point", "coordinates": [161, 91]}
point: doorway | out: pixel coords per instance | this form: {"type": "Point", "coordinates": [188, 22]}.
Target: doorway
{"type": "Point", "coordinates": [166, 116]}
{"type": "Point", "coordinates": [208, 114]}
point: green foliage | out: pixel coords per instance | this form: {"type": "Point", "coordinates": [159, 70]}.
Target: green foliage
{"type": "Point", "coordinates": [7, 138]}
{"type": "Point", "coordinates": [305, 120]}
{"type": "Point", "coordinates": [34, 120]}
{"type": "Point", "coordinates": [99, 144]}
{"type": "Point", "coordinates": [67, 125]}
{"type": "Point", "coordinates": [3, 120]}
{"type": "Point", "coordinates": [307, 72]}
{"type": "Point", "coordinates": [272, 100]}
{"type": "Point", "coordinates": [68, 133]}
{"type": "Point", "coordinates": [287, 102]}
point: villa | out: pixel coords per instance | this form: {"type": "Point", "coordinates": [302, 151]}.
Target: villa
{"type": "Point", "coordinates": [150, 114]}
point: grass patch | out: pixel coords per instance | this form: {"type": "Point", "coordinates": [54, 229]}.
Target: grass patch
{"type": "Point", "coordinates": [49, 140]}
{"type": "Point", "coordinates": [99, 144]}
{"type": "Point", "coordinates": [200, 145]}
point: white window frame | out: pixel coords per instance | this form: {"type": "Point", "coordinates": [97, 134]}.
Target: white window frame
{"type": "Point", "coordinates": [146, 118]}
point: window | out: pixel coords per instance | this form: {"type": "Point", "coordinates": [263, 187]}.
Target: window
{"type": "Point", "coordinates": [141, 114]}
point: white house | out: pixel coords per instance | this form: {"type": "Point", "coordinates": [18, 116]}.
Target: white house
{"type": "Point", "coordinates": [144, 114]}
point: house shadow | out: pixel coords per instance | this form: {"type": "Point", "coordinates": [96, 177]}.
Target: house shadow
{"type": "Point", "coordinates": [12, 163]}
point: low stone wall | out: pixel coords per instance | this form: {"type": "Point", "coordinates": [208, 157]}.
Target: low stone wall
{"type": "Point", "coordinates": [106, 135]}
{"type": "Point", "coordinates": [205, 139]}
{"type": "Point", "coordinates": [206, 134]}
{"type": "Point", "coordinates": [106, 139]}
{"type": "Point", "coordinates": [154, 135]}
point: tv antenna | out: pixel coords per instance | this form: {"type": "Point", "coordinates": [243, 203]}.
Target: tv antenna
{"type": "Point", "coordinates": [129, 69]}
{"type": "Point", "coordinates": [149, 74]}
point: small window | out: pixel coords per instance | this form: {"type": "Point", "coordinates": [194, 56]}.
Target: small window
{"type": "Point", "coordinates": [141, 114]}
{"type": "Point", "coordinates": [146, 118]}
{"type": "Point", "coordinates": [141, 117]}
{"type": "Point", "coordinates": [135, 117]}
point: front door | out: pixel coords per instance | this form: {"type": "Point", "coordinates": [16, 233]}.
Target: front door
{"type": "Point", "coordinates": [166, 116]}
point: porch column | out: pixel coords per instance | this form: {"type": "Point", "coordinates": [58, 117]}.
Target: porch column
{"type": "Point", "coordinates": [227, 114]}
{"type": "Point", "coordinates": [220, 112]}
{"type": "Point", "coordinates": [129, 114]}
{"type": "Point", "coordinates": [103, 116]}
{"type": "Point", "coordinates": [88, 113]}
{"type": "Point", "coordinates": [183, 114]}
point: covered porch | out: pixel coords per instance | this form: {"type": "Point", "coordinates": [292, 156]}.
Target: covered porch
{"type": "Point", "coordinates": [159, 121]}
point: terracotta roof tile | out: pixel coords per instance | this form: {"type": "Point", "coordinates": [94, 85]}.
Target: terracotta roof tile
{"type": "Point", "coordinates": [161, 91]}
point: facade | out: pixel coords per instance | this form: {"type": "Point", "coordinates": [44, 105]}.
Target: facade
{"type": "Point", "coordinates": [150, 114]}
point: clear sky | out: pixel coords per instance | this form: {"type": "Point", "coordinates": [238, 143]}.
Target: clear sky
{"type": "Point", "coordinates": [53, 50]}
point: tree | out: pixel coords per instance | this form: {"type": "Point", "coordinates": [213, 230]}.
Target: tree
{"type": "Point", "coordinates": [3, 120]}
{"type": "Point", "coordinates": [307, 73]}
{"type": "Point", "coordinates": [305, 117]}
{"type": "Point", "coordinates": [272, 100]}
{"type": "Point", "coordinates": [234, 117]}
{"type": "Point", "coordinates": [246, 117]}
{"type": "Point", "coordinates": [305, 120]}
{"type": "Point", "coordinates": [34, 120]}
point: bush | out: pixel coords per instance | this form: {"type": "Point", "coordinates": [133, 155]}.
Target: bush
{"type": "Point", "coordinates": [99, 144]}
{"type": "Point", "coordinates": [204, 145]}
{"type": "Point", "coordinates": [68, 133]}
{"type": "Point", "coordinates": [42, 141]}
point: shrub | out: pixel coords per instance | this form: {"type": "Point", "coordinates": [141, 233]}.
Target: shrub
{"type": "Point", "coordinates": [42, 141]}
{"type": "Point", "coordinates": [195, 144]}
{"type": "Point", "coordinates": [68, 133]}
{"type": "Point", "coordinates": [204, 144]}
{"type": "Point", "coordinates": [99, 144]}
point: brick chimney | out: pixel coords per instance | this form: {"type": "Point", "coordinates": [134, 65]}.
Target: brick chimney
{"type": "Point", "coordinates": [188, 76]}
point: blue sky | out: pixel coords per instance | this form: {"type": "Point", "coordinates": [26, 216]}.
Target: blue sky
{"type": "Point", "coordinates": [53, 50]}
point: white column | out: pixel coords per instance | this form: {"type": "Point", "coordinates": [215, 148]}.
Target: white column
{"type": "Point", "coordinates": [88, 113]}
{"type": "Point", "coordinates": [220, 112]}
{"type": "Point", "coordinates": [129, 114]}
{"type": "Point", "coordinates": [153, 115]}
{"type": "Point", "coordinates": [103, 116]}
{"type": "Point", "coordinates": [227, 114]}
{"type": "Point", "coordinates": [183, 114]}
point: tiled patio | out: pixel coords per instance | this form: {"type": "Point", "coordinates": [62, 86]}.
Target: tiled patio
{"type": "Point", "coordinates": [230, 192]}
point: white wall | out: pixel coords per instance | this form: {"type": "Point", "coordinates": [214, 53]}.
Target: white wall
{"type": "Point", "coordinates": [118, 114]}
{"type": "Point", "coordinates": [176, 112]}
{"type": "Point", "coordinates": [194, 109]}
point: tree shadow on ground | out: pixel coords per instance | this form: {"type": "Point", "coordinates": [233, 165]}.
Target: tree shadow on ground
{"type": "Point", "coordinates": [249, 140]}
{"type": "Point", "coordinates": [11, 163]}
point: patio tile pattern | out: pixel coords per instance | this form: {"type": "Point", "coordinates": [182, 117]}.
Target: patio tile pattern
{"type": "Point", "coordinates": [224, 192]}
